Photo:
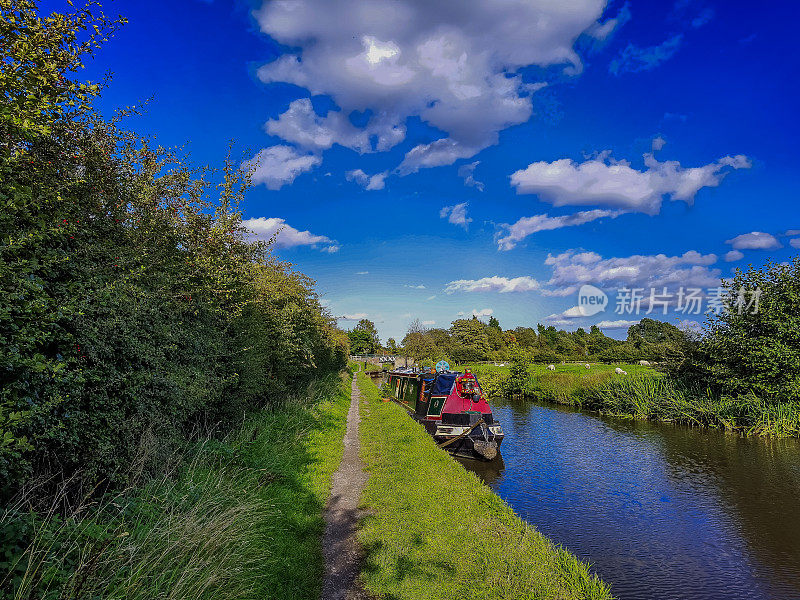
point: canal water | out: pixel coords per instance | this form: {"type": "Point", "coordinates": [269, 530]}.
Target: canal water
{"type": "Point", "coordinates": [662, 512]}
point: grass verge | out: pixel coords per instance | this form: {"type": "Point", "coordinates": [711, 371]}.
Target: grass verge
{"type": "Point", "coordinates": [233, 519]}
{"type": "Point", "coordinates": [435, 531]}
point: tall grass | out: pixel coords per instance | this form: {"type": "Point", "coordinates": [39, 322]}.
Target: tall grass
{"type": "Point", "coordinates": [645, 394]}
{"type": "Point", "coordinates": [434, 531]}
{"type": "Point", "coordinates": [234, 519]}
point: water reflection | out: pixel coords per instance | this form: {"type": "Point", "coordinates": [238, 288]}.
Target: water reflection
{"type": "Point", "coordinates": [662, 512]}
{"type": "Point", "coordinates": [488, 471]}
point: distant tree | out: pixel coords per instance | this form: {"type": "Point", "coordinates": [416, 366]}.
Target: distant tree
{"type": "Point", "coordinates": [469, 340]}
{"type": "Point", "coordinates": [494, 323]}
{"type": "Point", "coordinates": [526, 337]}
{"type": "Point", "coordinates": [364, 338]}
{"type": "Point", "coordinates": [391, 345]}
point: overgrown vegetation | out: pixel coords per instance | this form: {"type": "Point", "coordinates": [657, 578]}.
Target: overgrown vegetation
{"type": "Point", "coordinates": [233, 518]}
{"type": "Point", "coordinates": [140, 326]}
{"type": "Point", "coordinates": [435, 531]}
{"type": "Point", "coordinates": [134, 309]}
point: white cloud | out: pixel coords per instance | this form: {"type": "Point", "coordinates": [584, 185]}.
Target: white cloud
{"type": "Point", "coordinates": [605, 181]}
{"type": "Point", "coordinates": [484, 312]}
{"type": "Point", "coordinates": [755, 240]}
{"type": "Point", "coordinates": [691, 269]}
{"type": "Point", "coordinates": [415, 287]}
{"type": "Point", "coordinates": [658, 143]}
{"type": "Point", "coordinates": [795, 243]}
{"type": "Point", "coordinates": [302, 126]}
{"type": "Point", "coordinates": [457, 215]}
{"type": "Point", "coordinates": [430, 297]}
{"type": "Point", "coordinates": [792, 232]}
{"type": "Point", "coordinates": [493, 284]}
{"type": "Point", "coordinates": [368, 182]}
{"type": "Point", "coordinates": [454, 65]}
{"type": "Point", "coordinates": [467, 173]}
{"type": "Point", "coordinates": [362, 272]}
{"type": "Point", "coordinates": [634, 59]}
{"type": "Point", "coordinates": [621, 324]}
{"type": "Point", "coordinates": [277, 166]}
{"type": "Point", "coordinates": [287, 236]}
{"type": "Point", "coordinates": [529, 225]}
{"type": "Point", "coordinates": [353, 317]}
{"type": "Point", "coordinates": [564, 318]}
{"type": "Point", "coordinates": [733, 255]}
{"type": "Point", "coordinates": [428, 323]}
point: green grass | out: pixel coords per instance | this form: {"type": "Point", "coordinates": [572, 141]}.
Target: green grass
{"type": "Point", "coordinates": [235, 519]}
{"type": "Point", "coordinates": [435, 531]}
{"type": "Point", "coordinates": [644, 393]}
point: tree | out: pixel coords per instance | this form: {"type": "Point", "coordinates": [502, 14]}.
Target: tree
{"type": "Point", "coordinates": [753, 347]}
{"type": "Point", "coordinates": [364, 338]}
{"type": "Point", "coordinates": [469, 340]}
{"type": "Point", "coordinates": [391, 345]}
{"type": "Point", "coordinates": [494, 323]}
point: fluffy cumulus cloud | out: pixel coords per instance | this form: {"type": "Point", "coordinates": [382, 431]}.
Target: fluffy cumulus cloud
{"type": "Point", "coordinates": [795, 243]}
{"type": "Point", "coordinates": [755, 240]}
{"type": "Point", "coordinates": [301, 125]}
{"type": "Point", "coordinates": [690, 270]}
{"type": "Point", "coordinates": [511, 235]}
{"type": "Point", "coordinates": [733, 255]}
{"type": "Point", "coordinates": [457, 215]}
{"type": "Point", "coordinates": [277, 166]}
{"type": "Point", "coordinates": [454, 65]}
{"type": "Point", "coordinates": [493, 284]}
{"type": "Point", "coordinates": [604, 181]}
{"type": "Point", "coordinates": [368, 182]}
{"type": "Point", "coordinates": [286, 236]}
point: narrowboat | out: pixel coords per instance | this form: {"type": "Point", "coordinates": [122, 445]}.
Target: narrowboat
{"type": "Point", "coordinates": [452, 408]}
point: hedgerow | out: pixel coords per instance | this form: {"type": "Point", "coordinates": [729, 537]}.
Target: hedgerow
{"type": "Point", "coordinates": [134, 307]}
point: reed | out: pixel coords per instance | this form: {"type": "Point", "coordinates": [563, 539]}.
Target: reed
{"type": "Point", "coordinates": [646, 394]}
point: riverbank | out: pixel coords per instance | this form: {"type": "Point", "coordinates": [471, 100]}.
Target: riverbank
{"type": "Point", "coordinates": [643, 393]}
{"type": "Point", "coordinates": [231, 519]}
{"type": "Point", "coordinates": [435, 531]}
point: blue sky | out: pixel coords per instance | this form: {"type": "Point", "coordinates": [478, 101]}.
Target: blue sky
{"type": "Point", "coordinates": [434, 159]}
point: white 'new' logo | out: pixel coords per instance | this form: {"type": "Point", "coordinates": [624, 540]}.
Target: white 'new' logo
{"type": "Point", "coordinates": [591, 300]}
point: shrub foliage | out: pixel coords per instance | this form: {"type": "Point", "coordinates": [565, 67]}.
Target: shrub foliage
{"type": "Point", "coordinates": [134, 308]}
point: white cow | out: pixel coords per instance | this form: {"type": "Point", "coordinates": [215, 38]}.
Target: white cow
{"type": "Point", "coordinates": [587, 366]}
{"type": "Point", "coordinates": [644, 363]}
{"type": "Point", "coordinates": [551, 367]}
{"type": "Point", "coordinates": [619, 371]}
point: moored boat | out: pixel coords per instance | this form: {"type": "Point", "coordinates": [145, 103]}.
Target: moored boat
{"type": "Point", "coordinates": [452, 408]}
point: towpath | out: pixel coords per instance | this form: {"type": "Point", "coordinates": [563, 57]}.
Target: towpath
{"type": "Point", "coordinates": [339, 545]}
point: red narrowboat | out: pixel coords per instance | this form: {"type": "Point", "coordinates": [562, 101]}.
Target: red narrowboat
{"type": "Point", "coordinates": [452, 408]}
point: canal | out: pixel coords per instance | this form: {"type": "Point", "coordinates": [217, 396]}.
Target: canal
{"type": "Point", "coordinates": [662, 512]}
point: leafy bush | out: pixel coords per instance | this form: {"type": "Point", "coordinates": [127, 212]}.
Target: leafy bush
{"type": "Point", "coordinates": [134, 308]}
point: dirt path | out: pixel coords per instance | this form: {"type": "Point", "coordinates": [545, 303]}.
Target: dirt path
{"type": "Point", "coordinates": [339, 546]}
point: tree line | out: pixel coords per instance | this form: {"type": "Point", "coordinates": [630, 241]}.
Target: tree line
{"type": "Point", "coordinates": [471, 340]}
